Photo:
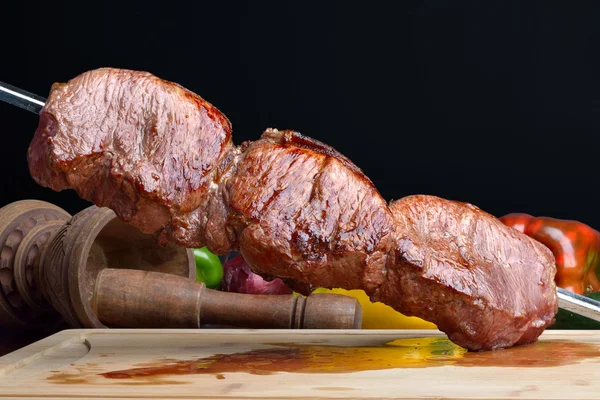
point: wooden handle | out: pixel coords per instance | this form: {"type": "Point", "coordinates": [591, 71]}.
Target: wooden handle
{"type": "Point", "coordinates": [142, 299]}
{"type": "Point", "coordinates": [317, 311]}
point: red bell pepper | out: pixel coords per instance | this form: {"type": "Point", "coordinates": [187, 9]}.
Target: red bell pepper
{"type": "Point", "coordinates": [575, 245]}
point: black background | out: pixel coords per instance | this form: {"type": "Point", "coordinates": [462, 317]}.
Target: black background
{"type": "Point", "coordinates": [494, 103]}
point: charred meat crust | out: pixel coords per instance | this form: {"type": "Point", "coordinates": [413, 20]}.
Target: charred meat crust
{"type": "Point", "coordinates": [296, 139]}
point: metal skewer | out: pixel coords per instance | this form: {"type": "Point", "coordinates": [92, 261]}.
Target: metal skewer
{"type": "Point", "coordinates": [578, 304]}
{"type": "Point", "coordinates": [21, 98]}
{"type": "Point", "coordinates": [567, 300]}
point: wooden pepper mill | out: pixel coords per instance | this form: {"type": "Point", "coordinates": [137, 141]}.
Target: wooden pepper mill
{"type": "Point", "coordinates": [95, 271]}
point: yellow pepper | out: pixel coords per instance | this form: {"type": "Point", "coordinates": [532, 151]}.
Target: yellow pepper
{"type": "Point", "coordinates": [378, 315]}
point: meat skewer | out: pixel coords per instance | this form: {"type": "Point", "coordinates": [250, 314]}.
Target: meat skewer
{"type": "Point", "coordinates": [162, 158]}
{"type": "Point", "coordinates": [21, 98]}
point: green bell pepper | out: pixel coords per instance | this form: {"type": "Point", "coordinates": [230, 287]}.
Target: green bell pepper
{"type": "Point", "coordinates": [209, 269]}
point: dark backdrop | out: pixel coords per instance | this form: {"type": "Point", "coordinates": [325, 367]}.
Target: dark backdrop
{"type": "Point", "coordinates": [493, 103]}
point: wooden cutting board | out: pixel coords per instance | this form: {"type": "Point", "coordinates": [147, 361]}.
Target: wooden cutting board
{"type": "Point", "coordinates": [284, 364]}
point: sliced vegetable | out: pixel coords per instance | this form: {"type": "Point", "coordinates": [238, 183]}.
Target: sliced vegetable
{"type": "Point", "coordinates": [378, 315]}
{"type": "Point", "coordinates": [239, 278]}
{"type": "Point", "coordinates": [575, 245]}
{"type": "Point", "coordinates": [209, 269]}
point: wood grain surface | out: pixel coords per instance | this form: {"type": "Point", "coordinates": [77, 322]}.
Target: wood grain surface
{"type": "Point", "coordinates": [297, 364]}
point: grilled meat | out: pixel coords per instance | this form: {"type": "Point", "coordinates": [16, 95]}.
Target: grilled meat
{"type": "Point", "coordinates": [163, 159]}
{"type": "Point", "coordinates": [481, 283]}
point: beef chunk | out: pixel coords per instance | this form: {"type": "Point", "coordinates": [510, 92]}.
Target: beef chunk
{"type": "Point", "coordinates": [145, 147]}
{"type": "Point", "coordinates": [308, 215]}
{"type": "Point", "coordinates": [483, 283]}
